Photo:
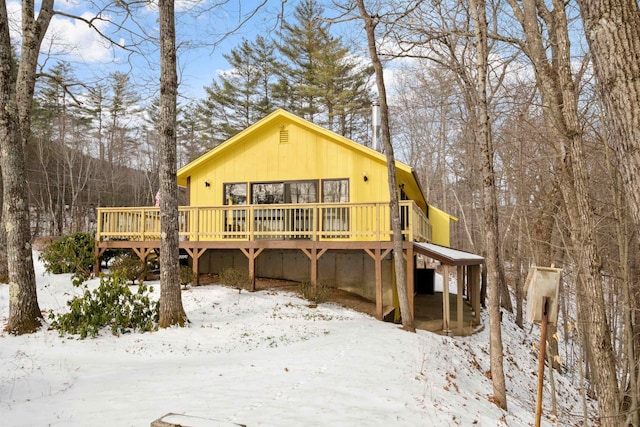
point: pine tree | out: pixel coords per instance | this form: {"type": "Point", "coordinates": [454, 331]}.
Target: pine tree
{"type": "Point", "coordinates": [318, 79]}
{"type": "Point", "coordinates": [243, 95]}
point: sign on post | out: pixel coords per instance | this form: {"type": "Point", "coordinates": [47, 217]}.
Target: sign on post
{"type": "Point", "coordinates": [542, 287]}
{"type": "Point", "coordinates": [542, 282]}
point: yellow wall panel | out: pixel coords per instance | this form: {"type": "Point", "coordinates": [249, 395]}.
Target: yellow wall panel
{"type": "Point", "coordinates": [258, 155]}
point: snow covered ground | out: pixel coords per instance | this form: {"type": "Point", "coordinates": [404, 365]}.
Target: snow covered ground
{"type": "Point", "coordinates": [267, 359]}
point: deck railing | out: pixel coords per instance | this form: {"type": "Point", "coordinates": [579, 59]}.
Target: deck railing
{"type": "Point", "coordinates": [324, 221]}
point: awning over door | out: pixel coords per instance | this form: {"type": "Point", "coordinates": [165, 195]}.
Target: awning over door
{"type": "Point", "coordinates": [446, 255]}
{"type": "Point", "coordinates": [468, 276]}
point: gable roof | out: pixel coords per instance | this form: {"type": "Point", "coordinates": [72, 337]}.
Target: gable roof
{"type": "Point", "coordinates": [276, 116]}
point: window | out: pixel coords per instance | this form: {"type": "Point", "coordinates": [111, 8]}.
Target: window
{"type": "Point", "coordinates": [335, 190]}
{"type": "Point", "coordinates": [267, 194]}
{"type": "Point", "coordinates": [235, 194]}
{"type": "Point", "coordinates": [301, 192]}
{"type": "Point", "coordinates": [284, 192]}
{"type": "Point", "coordinates": [335, 220]}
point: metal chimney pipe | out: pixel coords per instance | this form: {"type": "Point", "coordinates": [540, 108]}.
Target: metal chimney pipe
{"type": "Point", "coordinates": [375, 121]}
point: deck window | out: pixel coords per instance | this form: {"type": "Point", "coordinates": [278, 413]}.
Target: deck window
{"type": "Point", "coordinates": [235, 219]}
{"type": "Point", "coordinates": [335, 219]}
{"type": "Point", "coordinates": [235, 194]}
{"type": "Point", "coordinates": [335, 191]}
{"type": "Point", "coordinates": [284, 192]}
{"type": "Point", "coordinates": [296, 220]}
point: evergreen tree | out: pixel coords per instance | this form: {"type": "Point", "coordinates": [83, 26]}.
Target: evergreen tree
{"type": "Point", "coordinates": [243, 95]}
{"type": "Point", "coordinates": [191, 143]}
{"type": "Point", "coordinates": [319, 80]}
{"type": "Point", "coordinates": [122, 107]}
{"type": "Point", "coordinates": [57, 160]}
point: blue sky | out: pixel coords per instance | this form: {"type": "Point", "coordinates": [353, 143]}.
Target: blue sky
{"type": "Point", "coordinates": [204, 34]}
{"type": "Point", "coordinates": [201, 40]}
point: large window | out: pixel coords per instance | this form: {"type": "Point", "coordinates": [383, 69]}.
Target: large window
{"type": "Point", "coordinates": [235, 219]}
{"type": "Point", "coordinates": [235, 194]}
{"type": "Point", "coordinates": [335, 220]}
{"type": "Point", "coordinates": [301, 192]}
{"type": "Point", "coordinates": [284, 192]}
{"type": "Point", "coordinates": [335, 191]}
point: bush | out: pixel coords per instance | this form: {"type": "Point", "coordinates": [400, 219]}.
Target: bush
{"type": "Point", "coordinates": [317, 295]}
{"type": "Point", "coordinates": [129, 266]}
{"type": "Point", "coordinates": [186, 276]}
{"type": "Point", "coordinates": [111, 304]}
{"type": "Point", "coordinates": [235, 278]}
{"type": "Point", "coordinates": [74, 253]}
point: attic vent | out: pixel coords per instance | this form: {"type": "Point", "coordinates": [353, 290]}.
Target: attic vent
{"type": "Point", "coordinates": [284, 136]}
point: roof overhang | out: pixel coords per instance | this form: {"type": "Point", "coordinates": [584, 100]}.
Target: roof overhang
{"type": "Point", "coordinates": [446, 255]}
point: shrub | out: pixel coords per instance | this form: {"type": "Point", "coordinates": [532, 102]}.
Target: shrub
{"type": "Point", "coordinates": [111, 253]}
{"type": "Point", "coordinates": [317, 294]}
{"type": "Point", "coordinates": [129, 266]}
{"type": "Point", "coordinates": [73, 253]}
{"type": "Point", "coordinates": [186, 276]}
{"type": "Point", "coordinates": [235, 278]}
{"type": "Point", "coordinates": [111, 304]}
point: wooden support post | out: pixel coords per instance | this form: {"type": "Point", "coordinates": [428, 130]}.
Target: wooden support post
{"type": "Point", "coordinates": [410, 280]}
{"type": "Point", "coordinates": [445, 300]}
{"type": "Point", "coordinates": [314, 254]}
{"type": "Point", "coordinates": [96, 266]}
{"type": "Point", "coordinates": [195, 254]}
{"type": "Point", "coordinates": [378, 268]}
{"type": "Point", "coordinates": [142, 253]}
{"type": "Point", "coordinates": [543, 348]}
{"type": "Point", "coordinates": [252, 254]}
{"type": "Point", "coordinates": [378, 255]}
{"type": "Point", "coordinates": [459, 306]}
{"type": "Point", "coordinates": [475, 291]}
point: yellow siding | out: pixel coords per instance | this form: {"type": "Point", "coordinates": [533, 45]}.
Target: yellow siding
{"type": "Point", "coordinates": [308, 155]}
{"type": "Point", "coordinates": [309, 152]}
{"type": "Point", "coordinates": [440, 223]}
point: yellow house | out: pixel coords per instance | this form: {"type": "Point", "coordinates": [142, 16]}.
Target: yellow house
{"type": "Point", "coordinates": [288, 199]}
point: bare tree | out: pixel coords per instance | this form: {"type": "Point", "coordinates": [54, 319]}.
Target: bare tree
{"type": "Point", "coordinates": [401, 276]}
{"type": "Point", "coordinates": [490, 202]}
{"type": "Point", "coordinates": [612, 28]}
{"type": "Point", "coordinates": [16, 97]}
{"type": "Point", "coordinates": [560, 109]}
{"type": "Point", "coordinates": [4, 264]}
{"type": "Point", "coordinates": [171, 310]}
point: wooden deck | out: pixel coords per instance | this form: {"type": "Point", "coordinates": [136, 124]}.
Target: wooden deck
{"type": "Point", "coordinates": [311, 228]}
{"type": "Point", "coordinates": [315, 222]}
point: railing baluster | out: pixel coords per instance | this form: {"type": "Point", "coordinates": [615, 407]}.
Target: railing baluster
{"type": "Point", "coordinates": [348, 221]}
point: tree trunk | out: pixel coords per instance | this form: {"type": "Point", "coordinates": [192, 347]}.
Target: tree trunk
{"type": "Point", "coordinates": [16, 97]}
{"type": "Point", "coordinates": [4, 265]}
{"type": "Point", "coordinates": [399, 262]}
{"type": "Point", "coordinates": [490, 204]}
{"type": "Point", "coordinates": [612, 28]}
{"type": "Point", "coordinates": [630, 404]}
{"type": "Point", "coordinates": [560, 111]}
{"type": "Point", "coordinates": [171, 310]}
{"type": "Point", "coordinates": [519, 271]}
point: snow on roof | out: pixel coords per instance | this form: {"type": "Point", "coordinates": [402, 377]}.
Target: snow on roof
{"type": "Point", "coordinates": [447, 255]}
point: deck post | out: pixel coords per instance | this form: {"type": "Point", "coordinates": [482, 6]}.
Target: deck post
{"type": "Point", "coordinates": [195, 254]}
{"type": "Point", "coordinates": [99, 252]}
{"type": "Point", "coordinates": [314, 255]}
{"type": "Point", "coordinates": [445, 300]}
{"type": "Point", "coordinates": [252, 254]}
{"type": "Point", "coordinates": [474, 280]}
{"type": "Point", "coordinates": [459, 308]}
{"type": "Point", "coordinates": [377, 254]}
{"type": "Point", "coordinates": [411, 294]}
